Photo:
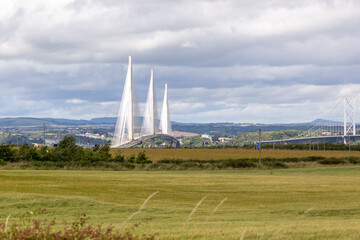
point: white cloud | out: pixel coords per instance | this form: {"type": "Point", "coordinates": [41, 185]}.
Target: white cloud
{"type": "Point", "coordinates": [189, 45]}
{"type": "Point", "coordinates": [235, 60]}
{"type": "Point", "coordinates": [75, 101]}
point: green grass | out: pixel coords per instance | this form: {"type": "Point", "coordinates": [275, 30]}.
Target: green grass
{"type": "Point", "coordinates": [309, 203]}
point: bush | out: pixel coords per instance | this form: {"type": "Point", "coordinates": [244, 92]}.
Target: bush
{"type": "Point", "coordinates": [276, 164]}
{"type": "Point", "coordinates": [118, 158]}
{"type": "Point", "coordinates": [352, 160]}
{"type": "Point", "coordinates": [46, 154]}
{"type": "Point", "coordinates": [292, 160]}
{"type": "Point", "coordinates": [313, 159]}
{"type": "Point", "coordinates": [131, 158]}
{"type": "Point", "coordinates": [30, 228]}
{"type": "Point", "coordinates": [330, 161]}
{"type": "Point", "coordinates": [7, 153]}
{"type": "Point", "coordinates": [189, 164]}
{"type": "Point", "coordinates": [142, 158]}
{"type": "Point", "coordinates": [102, 153]}
{"type": "Point", "coordinates": [237, 163]}
{"type": "Point", "coordinates": [2, 162]}
{"type": "Point", "coordinates": [129, 165]}
{"type": "Point", "coordinates": [28, 153]}
{"type": "Point", "coordinates": [67, 150]}
{"type": "Point", "coordinates": [171, 161]}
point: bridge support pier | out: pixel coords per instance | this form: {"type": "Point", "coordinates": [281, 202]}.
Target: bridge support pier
{"type": "Point", "coordinates": [152, 143]}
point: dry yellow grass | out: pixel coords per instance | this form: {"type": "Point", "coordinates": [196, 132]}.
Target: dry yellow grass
{"type": "Point", "coordinates": [221, 154]}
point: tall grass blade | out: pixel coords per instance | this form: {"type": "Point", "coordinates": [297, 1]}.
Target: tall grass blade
{"type": "Point", "coordinates": [243, 234]}
{"type": "Point", "coordinates": [215, 209]}
{"type": "Point", "coordinates": [6, 224]}
{"type": "Point", "coordinates": [194, 209]}
{"type": "Point", "coordinates": [140, 209]}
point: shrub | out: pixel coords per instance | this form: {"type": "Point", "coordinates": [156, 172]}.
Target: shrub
{"type": "Point", "coordinates": [276, 164]}
{"type": "Point", "coordinates": [313, 159]}
{"type": "Point", "coordinates": [154, 166]}
{"type": "Point", "coordinates": [131, 158]}
{"type": "Point", "coordinates": [2, 162]}
{"type": "Point", "coordinates": [332, 161]}
{"type": "Point", "coordinates": [29, 228]}
{"type": "Point", "coordinates": [118, 158]}
{"type": "Point", "coordinates": [67, 150]}
{"type": "Point", "coordinates": [129, 165]}
{"type": "Point", "coordinates": [171, 161]}
{"type": "Point", "coordinates": [46, 154]}
{"type": "Point", "coordinates": [292, 160]}
{"type": "Point", "coordinates": [352, 160]}
{"type": "Point", "coordinates": [28, 153]}
{"type": "Point", "coordinates": [189, 164]}
{"type": "Point", "coordinates": [237, 163]}
{"type": "Point", "coordinates": [142, 158]}
{"type": "Point", "coordinates": [7, 153]}
{"type": "Point", "coordinates": [102, 153]}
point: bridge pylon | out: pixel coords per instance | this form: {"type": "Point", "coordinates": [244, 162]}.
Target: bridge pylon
{"type": "Point", "coordinates": [349, 117]}
{"type": "Point", "coordinates": [165, 123]}
{"type": "Point", "coordinates": [128, 130]}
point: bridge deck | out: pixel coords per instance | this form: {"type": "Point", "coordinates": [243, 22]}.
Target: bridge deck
{"type": "Point", "coordinates": [328, 139]}
{"type": "Point", "coordinates": [138, 141]}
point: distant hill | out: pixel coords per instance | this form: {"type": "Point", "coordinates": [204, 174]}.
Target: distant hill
{"type": "Point", "coordinates": [324, 121]}
{"type": "Point", "coordinates": [235, 129]}
{"type": "Point", "coordinates": [23, 122]}
{"type": "Point", "coordinates": [197, 128]}
{"type": "Point", "coordinates": [66, 122]}
{"type": "Point", "coordinates": [33, 122]}
{"type": "Point", "coordinates": [104, 120]}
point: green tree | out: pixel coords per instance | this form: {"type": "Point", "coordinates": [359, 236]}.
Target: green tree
{"type": "Point", "coordinates": [102, 153]}
{"type": "Point", "coordinates": [28, 153]}
{"type": "Point", "coordinates": [68, 151]}
{"type": "Point", "coordinates": [7, 153]}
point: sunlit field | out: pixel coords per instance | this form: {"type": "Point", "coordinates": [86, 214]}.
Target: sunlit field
{"type": "Point", "coordinates": [307, 203]}
{"type": "Point", "coordinates": [221, 154]}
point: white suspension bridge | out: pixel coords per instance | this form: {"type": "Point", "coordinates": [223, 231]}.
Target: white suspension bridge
{"type": "Point", "coordinates": [330, 131]}
{"type": "Point", "coordinates": [131, 128]}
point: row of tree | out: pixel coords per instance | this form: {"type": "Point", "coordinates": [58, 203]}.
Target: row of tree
{"type": "Point", "coordinates": [66, 151]}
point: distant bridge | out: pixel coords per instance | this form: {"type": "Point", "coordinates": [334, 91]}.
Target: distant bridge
{"type": "Point", "coordinates": [329, 131]}
{"type": "Point", "coordinates": [129, 131]}
{"type": "Point", "coordinates": [329, 139]}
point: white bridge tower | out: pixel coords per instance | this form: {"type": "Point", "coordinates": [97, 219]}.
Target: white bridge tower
{"type": "Point", "coordinates": [349, 117]}
{"type": "Point", "coordinates": [165, 123]}
{"type": "Point", "coordinates": [128, 130]}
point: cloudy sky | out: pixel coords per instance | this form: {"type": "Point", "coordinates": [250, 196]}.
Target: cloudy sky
{"type": "Point", "coordinates": [224, 61]}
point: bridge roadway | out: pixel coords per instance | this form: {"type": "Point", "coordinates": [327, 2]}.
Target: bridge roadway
{"type": "Point", "coordinates": [327, 139]}
{"type": "Point", "coordinates": [172, 141]}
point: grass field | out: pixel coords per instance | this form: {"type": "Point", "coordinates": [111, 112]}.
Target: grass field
{"type": "Point", "coordinates": [308, 203]}
{"type": "Point", "coordinates": [221, 154]}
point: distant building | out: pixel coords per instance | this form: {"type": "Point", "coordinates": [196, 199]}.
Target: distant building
{"type": "Point", "coordinates": [212, 138]}
{"type": "Point", "coordinates": [208, 136]}
{"type": "Point", "coordinates": [224, 139]}
{"type": "Point", "coordinates": [52, 142]}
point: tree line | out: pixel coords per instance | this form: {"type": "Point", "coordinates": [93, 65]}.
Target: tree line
{"type": "Point", "coordinates": [65, 152]}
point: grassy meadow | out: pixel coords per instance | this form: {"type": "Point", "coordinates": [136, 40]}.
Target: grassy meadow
{"type": "Point", "coordinates": [303, 203]}
{"type": "Point", "coordinates": [157, 154]}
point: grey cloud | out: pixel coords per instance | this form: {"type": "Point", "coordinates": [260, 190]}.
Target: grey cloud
{"type": "Point", "coordinates": [216, 56]}
{"type": "Point", "coordinates": [226, 32]}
